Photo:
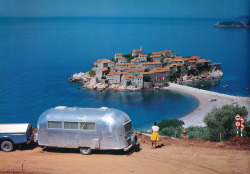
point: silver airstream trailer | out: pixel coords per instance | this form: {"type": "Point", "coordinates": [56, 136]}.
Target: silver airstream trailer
{"type": "Point", "coordinates": [85, 128]}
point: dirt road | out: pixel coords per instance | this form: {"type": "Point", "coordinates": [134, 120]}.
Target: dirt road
{"type": "Point", "coordinates": [172, 156]}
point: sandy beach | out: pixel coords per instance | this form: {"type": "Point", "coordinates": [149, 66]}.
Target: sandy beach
{"type": "Point", "coordinates": [207, 101]}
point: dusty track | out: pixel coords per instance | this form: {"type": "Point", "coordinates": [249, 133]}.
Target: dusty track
{"type": "Point", "coordinates": [173, 156]}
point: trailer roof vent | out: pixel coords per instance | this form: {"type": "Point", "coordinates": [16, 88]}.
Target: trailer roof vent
{"type": "Point", "coordinates": [61, 107]}
{"type": "Point", "coordinates": [104, 108]}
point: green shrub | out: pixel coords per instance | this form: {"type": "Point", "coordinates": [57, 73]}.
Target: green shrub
{"type": "Point", "coordinates": [92, 73]}
{"type": "Point", "coordinates": [171, 131]}
{"type": "Point", "coordinates": [247, 129]}
{"type": "Point", "coordinates": [146, 78]}
{"type": "Point", "coordinates": [198, 132]}
{"type": "Point", "coordinates": [129, 83]}
{"type": "Point", "coordinates": [170, 123]}
{"type": "Point", "coordinates": [103, 77]}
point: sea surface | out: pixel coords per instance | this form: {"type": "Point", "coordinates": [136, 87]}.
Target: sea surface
{"type": "Point", "coordinates": [38, 55]}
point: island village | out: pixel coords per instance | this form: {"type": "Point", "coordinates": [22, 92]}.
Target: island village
{"type": "Point", "coordinates": [138, 70]}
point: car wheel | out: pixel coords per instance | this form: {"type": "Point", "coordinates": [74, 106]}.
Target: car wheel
{"type": "Point", "coordinates": [85, 150]}
{"type": "Point", "coordinates": [7, 146]}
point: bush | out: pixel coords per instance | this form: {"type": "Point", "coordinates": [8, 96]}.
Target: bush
{"type": "Point", "coordinates": [220, 121]}
{"type": "Point", "coordinates": [247, 128]}
{"type": "Point", "coordinates": [171, 131]}
{"type": "Point", "coordinates": [170, 123]}
{"type": "Point", "coordinates": [198, 132]}
{"type": "Point", "coordinates": [129, 83]}
{"type": "Point", "coordinates": [146, 78]}
{"type": "Point", "coordinates": [171, 128]}
{"type": "Point", "coordinates": [103, 77]}
{"type": "Point", "coordinates": [92, 73]}
{"type": "Point", "coordinates": [106, 81]}
{"type": "Point", "coordinates": [166, 84]}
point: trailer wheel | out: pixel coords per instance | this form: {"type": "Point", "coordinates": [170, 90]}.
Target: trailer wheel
{"type": "Point", "coordinates": [85, 150]}
{"type": "Point", "coordinates": [134, 140]}
{"type": "Point", "coordinates": [7, 146]}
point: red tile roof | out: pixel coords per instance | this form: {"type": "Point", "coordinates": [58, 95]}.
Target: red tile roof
{"type": "Point", "coordinates": [159, 70]}
{"type": "Point", "coordinates": [143, 55]}
{"type": "Point", "coordinates": [178, 64]}
{"type": "Point", "coordinates": [137, 51]}
{"type": "Point", "coordinates": [156, 55]}
{"type": "Point", "coordinates": [145, 73]}
{"type": "Point", "coordinates": [138, 77]}
{"type": "Point", "coordinates": [166, 51]}
{"type": "Point", "coordinates": [127, 64]}
{"type": "Point", "coordinates": [151, 63]}
{"type": "Point", "coordinates": [128, 76]}
{"type": "Point", "coordinates": [104, 60]}
{"type": "Point", "coordinates": [203, 60]}
{"type": "Point", "coordinates": [104, 69]}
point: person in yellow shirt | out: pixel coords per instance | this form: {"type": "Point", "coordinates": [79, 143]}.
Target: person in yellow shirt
{"type": "Point", "coordinates": [155, 135]}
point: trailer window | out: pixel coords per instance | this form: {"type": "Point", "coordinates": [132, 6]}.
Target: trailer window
{"type": "Point", "coordinates": [54, 124]}
{"type": "Point", "coordinates": [70, 125]}
{"type": "Point", "coordinates": [127, 126]}
{"type": "Point", "coordinates": [87, 125]}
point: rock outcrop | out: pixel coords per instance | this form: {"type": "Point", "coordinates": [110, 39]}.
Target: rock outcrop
{"type": "Point", "coordinates": [79, 77]}
{"type": "Point", "coordinates": [216, 74]}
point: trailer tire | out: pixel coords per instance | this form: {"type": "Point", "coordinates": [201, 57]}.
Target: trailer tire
{"type": "Point", "coordinates": [7, 146]}
{"type": "Point", "coordinates": [134, 140]}
{"type": "Point", "coordinates": [85, 150]}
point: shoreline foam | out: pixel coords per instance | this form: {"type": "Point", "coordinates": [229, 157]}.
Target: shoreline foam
{"type": "Point", "coordinates": [207, 101]}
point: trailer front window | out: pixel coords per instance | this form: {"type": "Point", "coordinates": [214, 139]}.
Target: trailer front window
{"type": "Point", "coordinates": [127, 126]}
{"type": "Point", "coordinates": [54, 124]}
{"type": "Point", "coordinates": [87, 125]}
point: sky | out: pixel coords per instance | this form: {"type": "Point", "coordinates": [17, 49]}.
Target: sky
{"type": "Point", "coordinates": [126, 8]}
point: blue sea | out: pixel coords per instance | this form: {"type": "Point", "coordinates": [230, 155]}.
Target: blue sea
{"type": "Point", "coordinates": [38, 55]}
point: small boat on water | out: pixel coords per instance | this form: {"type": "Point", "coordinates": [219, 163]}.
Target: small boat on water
{"type": "Point", "coordinates": [225, 86]}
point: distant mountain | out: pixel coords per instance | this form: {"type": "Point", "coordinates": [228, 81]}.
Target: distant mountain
{"type": "Point", "coordinates": [233, 24]}
{"type": "Point", "coordinates": [243, 17]}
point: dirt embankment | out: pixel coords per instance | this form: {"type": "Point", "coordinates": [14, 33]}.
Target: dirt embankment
{"type": "Point", "coordinates": [171, 156]}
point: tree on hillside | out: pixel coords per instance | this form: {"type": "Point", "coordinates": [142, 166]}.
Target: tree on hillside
{"type": "Point", "coordinates": [220, 121]}
{"type": "Point", "coordinates": [92, 73]}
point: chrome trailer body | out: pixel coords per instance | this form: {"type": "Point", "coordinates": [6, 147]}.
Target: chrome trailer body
{"type": "Point", "coordinates": [93, 128]}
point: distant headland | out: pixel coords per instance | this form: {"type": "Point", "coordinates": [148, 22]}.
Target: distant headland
{"type": "Point", "coordinates": [141, 71]}
{"type": "Point", "coordinates": [233, 24]}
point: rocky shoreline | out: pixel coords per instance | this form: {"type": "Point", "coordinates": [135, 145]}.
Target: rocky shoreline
{"type": "Point", "coordinates": [91, 83]}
